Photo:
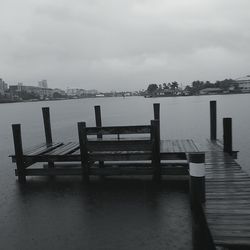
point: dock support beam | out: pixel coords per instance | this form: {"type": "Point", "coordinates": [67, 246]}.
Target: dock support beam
{"type": "Point", "coordinates": [227, 135]}
{"type": "Point", "coordinates": [16, 129]}
{"type": "Point", "coordinates": [213, 120]}
{"type": "Point", "coordinates": [98, 122]}
{"type": "Point", "coordinates": [156, 150]}
{"type": "Point", "coordinates": [157, 115]}
{"type": "Point", "coordinates": [197, 178]}
{"type": "Point", "coordinates": [82, 133]}
{"type": "Point", "coordinates": [202, 239]}
{"type": "Point", "coordinates": [47, 130]}
{"type": "Point", "coordinates": [156, 111]}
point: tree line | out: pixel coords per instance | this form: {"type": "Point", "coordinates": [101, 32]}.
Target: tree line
{"type": "Point", "coordinates": [193, 89]}
{"type": "Point", "coordinates": [153, 88]}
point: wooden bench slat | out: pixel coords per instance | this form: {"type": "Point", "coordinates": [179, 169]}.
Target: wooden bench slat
{"type": "Point", "coordinates": [34, 148]}
{"type": "Point", "coordinates": [102, 171]}
{"type": "Point", "coordinates": [64, 149]}
{"type": "Point", "coordinates": [141, 129]}
{"type": "Point", "coordinates": [121, 156]}
{"type": "Point", "coordinates": [130, 145]}
{"type": "Point", "coordinates": [45, 149]}
{"type": "Point", "coordinates": [173, 156]}
{"type": "Point", "coordinates": [53, 158]}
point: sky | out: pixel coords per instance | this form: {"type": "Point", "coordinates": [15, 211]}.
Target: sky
{"type": "Point", "coordinates": [123, 44]}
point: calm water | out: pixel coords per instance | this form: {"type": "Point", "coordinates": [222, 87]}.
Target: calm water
{"type": "Point", "coordinates": [127, 214]}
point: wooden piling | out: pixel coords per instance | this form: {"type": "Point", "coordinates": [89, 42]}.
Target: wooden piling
{"type": "Point", "coordinates": [82, 133]}
{"type": "Point", "coordinates": [98, 121]}
{"type": "Point", "coordinates": [47, 125]}
{"type": "Point", "coordinates": [213, 120]}
{"type": "Point", "coordinates": [227, 135]}
{"type": "Point", "coordinates": [16, 129]}
{"type": "Point", "coordinates": [47, 129]}
{"type": "Point", "coordinates": [197, 179]}
{"type": "Point", "coordinates": [201, 236]}
{"type": "Point", "coordinates": [156, 150]}
{"type": "Point", "coordinates": [157, 114]}
{"type": "Point", "coordinates": [156, 111]}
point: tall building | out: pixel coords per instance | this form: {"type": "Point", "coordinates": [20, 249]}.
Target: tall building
{"type": "Point", "coordinates": [43, 84]}
{"type": "Point", "coordinates": [244, 83]}
{"type": "Point", "coordinates": [41, 92]}
{"type": "Point", "coordinates": [3, 86]}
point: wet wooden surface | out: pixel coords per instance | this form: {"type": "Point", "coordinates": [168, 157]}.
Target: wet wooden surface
{"type": "Point", "coordinates": [70, 150]}
{"type": "Point", "coordinates": [227, 206]}
{"type": "Point", "coordinates": [132, 156]}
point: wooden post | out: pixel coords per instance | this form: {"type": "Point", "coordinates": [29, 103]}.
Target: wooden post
{"type": "Point", "coordinates": [84, 150]}
{"type": "Point", "coordinates": [156, 150]}
{"type": "Point", "coordinates": [156, 111]}
{"type": "Point", "coordinates": [47, 130]}
{"type": "Point", "coordinates": [157, 114]}
{"type": "Point", "coordinates": [213, 120]}
{"type": "Point", "coordinates": [202, 238]}
{"type": "Point", "coordinates": [197, 179]}
{"type": "Point", "coordinates": [98, 121]}
{"type": "Point", "coordinates": [16, 129]}
{"type": "Point", "coordinates": [47, 125]}
{"type": "Point", "coordinates": [227, 135]}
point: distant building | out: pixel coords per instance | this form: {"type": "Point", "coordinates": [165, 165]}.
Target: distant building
{"type": "Point", "coordinates": [3, 86]}
{"type": "Point", "coordinates": [91, 92]}
{"type": "Point", "coordinates": [244, 83]}
{"type": "Point", "coordinates": [41, 92]}
{"type": "Point", "coordinates": [208, 91]}
{"type": "Point", "coordinates": [43, 84]}
{"type": "Point", "coordinates": [164, 92]}
{"type": "Point", "coordinates": [81, 92]}
{"type": "Point", "coordinates": [75, 92]}
{"type": "Point", "coordinates": [59, 91]}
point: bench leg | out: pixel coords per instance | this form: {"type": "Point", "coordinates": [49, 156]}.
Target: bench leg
{"type": "Point", "coordinates": [16, 130]}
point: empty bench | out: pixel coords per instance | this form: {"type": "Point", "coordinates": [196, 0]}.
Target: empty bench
{"type": "Point", "coordinates": [96, 153]}
{"type": "Point", "coordinates": [122, 155]}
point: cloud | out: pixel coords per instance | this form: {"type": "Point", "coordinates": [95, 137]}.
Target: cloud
{"type": "Point", "coordinates": [123, 44]}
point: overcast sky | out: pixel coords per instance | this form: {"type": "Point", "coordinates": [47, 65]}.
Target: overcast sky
{"type": "Point", "coordinates": [123, 44]}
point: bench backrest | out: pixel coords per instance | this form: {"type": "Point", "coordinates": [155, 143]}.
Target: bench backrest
{"type": "Point", "coordinates": [119, 130]}
{"type": "Point", "coordinates": [133, 144]}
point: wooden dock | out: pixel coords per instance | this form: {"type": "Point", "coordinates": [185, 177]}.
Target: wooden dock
{"type": "Point", "coordinates": [122, 157]}
{"type": "Point", "coordinates": [219, 188]}
{"type": "Point", "coordinates": [227, 206]}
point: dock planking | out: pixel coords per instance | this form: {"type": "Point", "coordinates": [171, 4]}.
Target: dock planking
{"type": "Point", "coordinates": [138, 149]}
{"type": "Point", "coordinates": [227, 206]}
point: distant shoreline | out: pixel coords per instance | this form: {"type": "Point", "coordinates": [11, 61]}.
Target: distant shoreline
{"type": "Point", "coordinates": [160, 96]}
{"type": "Point", "coordinates": [25, 101]}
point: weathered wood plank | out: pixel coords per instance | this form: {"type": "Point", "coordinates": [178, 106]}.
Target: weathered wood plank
{"type": "Point", "coordinates": [64, 149]}
{"type": "Point", "coordinates": [227, 205]}
{"type": "Point", "coordinates": [122, 145]}
{"type": "Point", "coordinates": [108, 171]}
{"type": "Point", "coordinates": [45, 149]}
{"type": "Point", "coordinates": [141, 129]}
{"type": "Point", "coordinates": [55, 158]}
{"type": "Point", "coordinates": [17, 138]}
{"type": "Point", "coordinates": [121, 156]}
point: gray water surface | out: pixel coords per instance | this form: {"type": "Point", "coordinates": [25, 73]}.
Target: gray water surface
{"type": "Point", "coordinates": [113, 213]}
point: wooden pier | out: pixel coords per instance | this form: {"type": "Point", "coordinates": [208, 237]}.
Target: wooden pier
{"type": "Point", "coordinates": [227, 206]}
{"type": "Point", "coordinates": [219, 188]}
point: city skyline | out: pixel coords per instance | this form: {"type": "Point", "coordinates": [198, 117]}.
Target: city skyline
{"type": "Point", "coordinates": [122, 45]}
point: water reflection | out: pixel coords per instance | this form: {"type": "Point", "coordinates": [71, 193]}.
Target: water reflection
{"type": "Point", "coordinates": [114, 213]}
